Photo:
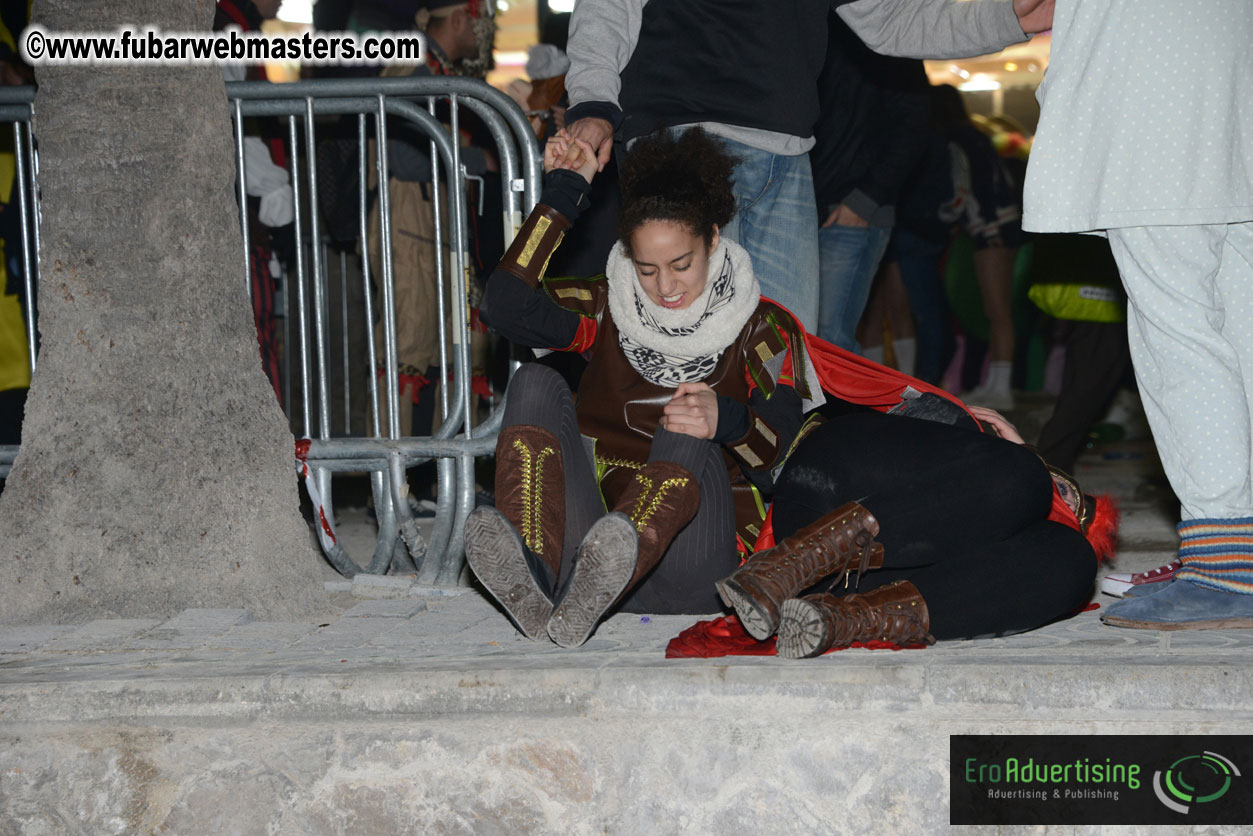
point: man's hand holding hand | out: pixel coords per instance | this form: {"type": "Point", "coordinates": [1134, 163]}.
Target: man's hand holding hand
{"type": "Point", "coordinates": [562, 151]}
{"type": "Point", "coordinates": [597, 133]}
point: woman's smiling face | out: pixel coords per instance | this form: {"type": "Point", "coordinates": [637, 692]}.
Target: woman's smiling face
{"type": "Point", "coordinates": [671, 261]}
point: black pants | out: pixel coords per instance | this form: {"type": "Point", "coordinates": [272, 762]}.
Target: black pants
{"type": "Point", "coordinates": [1097, 357]}
{"type": "Point", "coordinates": [702, 552]}
{"type": "Point", "coordinates": [963, 517]}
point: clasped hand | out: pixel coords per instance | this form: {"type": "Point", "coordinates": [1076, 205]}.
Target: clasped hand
{"type": "Point", "coordinates": [565, 151]}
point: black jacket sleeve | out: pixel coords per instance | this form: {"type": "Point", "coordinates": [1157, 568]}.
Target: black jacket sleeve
{"type": "Point", "coordinates": [870, 131]}
{"type": "Point", "coordinates": [526, 316]}
{"type": "Point", "coordinates": [899, 125]}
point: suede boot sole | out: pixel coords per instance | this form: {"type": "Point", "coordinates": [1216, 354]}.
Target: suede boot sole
{"type": "Point", "coordinates": [605, 564]}
{"type": "Point", "coordinates": [1228, 623]}
{"type": "Point", "coordinates": [760, 623]}
{"type": "Point", "coordinates": [494, 552]}
{"type": "Point", "coordinates": [802, 630]}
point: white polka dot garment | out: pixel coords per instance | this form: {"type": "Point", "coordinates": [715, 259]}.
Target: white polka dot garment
{"type": "Point", "coordinates": [1147, 116]}
{"type": "Point", "coordinates": [1146, 133]}
{"type": "Point", "coordinates": [1190, 325]}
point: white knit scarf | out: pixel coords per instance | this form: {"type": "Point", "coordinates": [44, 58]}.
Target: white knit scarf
{"type": "Point", "coordinates": [668, 347]}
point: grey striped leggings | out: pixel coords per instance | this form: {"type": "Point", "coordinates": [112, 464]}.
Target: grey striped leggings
{"type": "Point", "coordinates": [702, 553]}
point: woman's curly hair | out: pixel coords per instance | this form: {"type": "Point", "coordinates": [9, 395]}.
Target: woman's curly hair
{"type": "Point", "coordinates": [684, 178]}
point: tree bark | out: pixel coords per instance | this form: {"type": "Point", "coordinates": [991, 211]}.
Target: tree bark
{"type": "Point", "coordinates": [156, 471]}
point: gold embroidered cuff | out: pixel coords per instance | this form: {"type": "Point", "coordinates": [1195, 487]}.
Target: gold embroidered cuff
{"type": "Point", "coordinates": [527, 257]}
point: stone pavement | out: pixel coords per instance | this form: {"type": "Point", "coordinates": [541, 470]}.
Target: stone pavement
{"type": "Point", "coordinates": [423, 711]}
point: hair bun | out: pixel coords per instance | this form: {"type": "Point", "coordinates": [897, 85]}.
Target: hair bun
{"type": "Point", "coordinates": [683, 178]}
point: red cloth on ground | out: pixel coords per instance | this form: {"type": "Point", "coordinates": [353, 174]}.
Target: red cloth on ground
{"type": "Point", "coordinates": [726, 637]}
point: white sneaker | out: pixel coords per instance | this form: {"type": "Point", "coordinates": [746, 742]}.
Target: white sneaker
{"type": "Point", "coordinates": [1121, 583]}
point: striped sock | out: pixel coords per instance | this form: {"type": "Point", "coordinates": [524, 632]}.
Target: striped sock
{"type": "Point", "coordinates": [1217, 553]}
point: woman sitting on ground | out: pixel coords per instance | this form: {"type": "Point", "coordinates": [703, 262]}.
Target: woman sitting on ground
{"type": "Point", "coordinates": [692, 400]}
{"type": "Point", "coordinates": [694, 392]}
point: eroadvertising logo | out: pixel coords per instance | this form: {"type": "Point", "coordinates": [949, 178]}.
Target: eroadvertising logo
{"type": "Point", "coordinates": [1210, 772]}
{"type": "Point", "coordinates": [1099, 779]}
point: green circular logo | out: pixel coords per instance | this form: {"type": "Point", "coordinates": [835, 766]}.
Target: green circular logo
{"type": "Point", "coordinates": [1194, 779]}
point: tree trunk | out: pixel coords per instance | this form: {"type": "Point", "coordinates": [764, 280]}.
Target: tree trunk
{"type": "Point", "coordinates": [156, 470]}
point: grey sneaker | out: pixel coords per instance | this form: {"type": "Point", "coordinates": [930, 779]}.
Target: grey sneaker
{"type": "Point", "coordinates": [1183, 605]}
{"type": "Point", "coordinates": [602, 569]}
{"type": "Point", "coordinates": [514, 576]}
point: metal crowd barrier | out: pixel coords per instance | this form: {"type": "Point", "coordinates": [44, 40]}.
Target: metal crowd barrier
{"type": "Point", "coordinates": [383, 452]}
{"type": "Point", "coordinates": [15, 108]}
{"type": "Point", "coordinates": [386, 451]}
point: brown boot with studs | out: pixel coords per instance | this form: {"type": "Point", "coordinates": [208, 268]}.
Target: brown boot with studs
{"type": "Point", "coordinates": [814, 624]}
{"type": "Point", "coordinates": [840, 541]}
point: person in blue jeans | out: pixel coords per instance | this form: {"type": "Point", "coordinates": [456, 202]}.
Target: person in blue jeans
{"type": "Point", "coordinates": [916, 260]}
{"type": "Point", "coordinates": [747, 73]}
{"type": "Point", "coordinates": [774, 213]}
{"type": "Point", "coordinates": [868, 138]}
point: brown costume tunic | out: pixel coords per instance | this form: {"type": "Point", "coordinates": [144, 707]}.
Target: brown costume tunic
{"type": "Point", "coordinates": [619, 410]}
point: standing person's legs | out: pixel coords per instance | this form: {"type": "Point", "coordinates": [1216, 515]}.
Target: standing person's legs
{"type": "Point", "coordinates": [994, 271]}
{"type": "Point", "coordinates": [919, 262]}
{"type": "Point", "coordinates": [775, 220]}
{"type": "Point", "coordinates": [1187, 366]}
{"type": "Point", "coordinates": [888, 314]}
{"type": "Point", "coordinates": [870, 331]}
{"type": "Point", "coordinates": [1235, 283]}
{"type": "Point", "coordinates": [904, 342]}
{"type": "Point", "coordinates": [1190, 291]}
{"type": "Point", "coordinates": [1096, 358]}
{"type": "Point", "coordinates": [848, 258]}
